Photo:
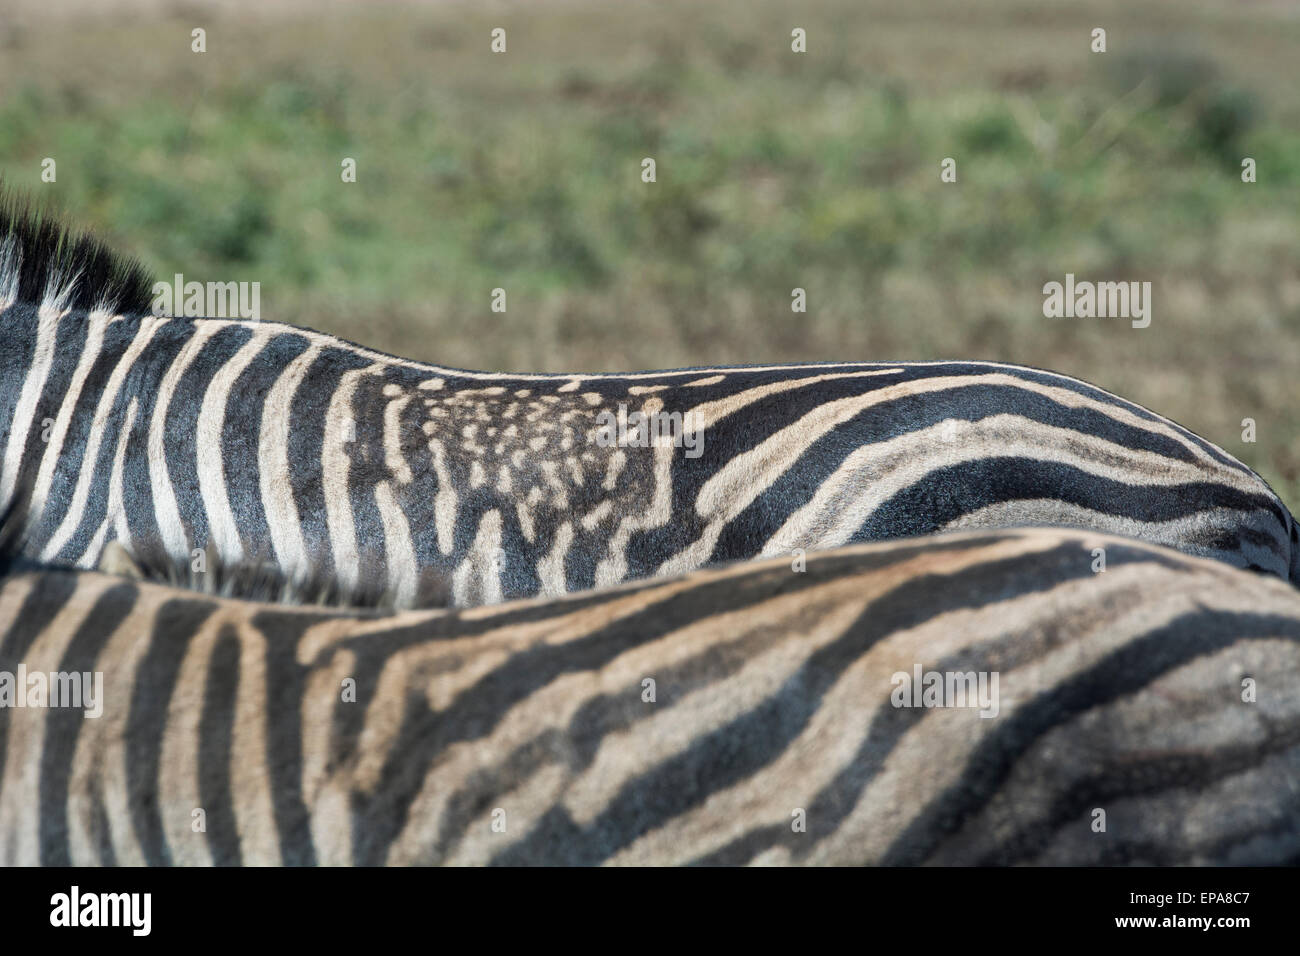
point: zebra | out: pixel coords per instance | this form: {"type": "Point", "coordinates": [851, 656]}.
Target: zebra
{"type": "Point", "coordinates": [1145, 709]}
{"type": "Point", "coordinates": [418, 485]}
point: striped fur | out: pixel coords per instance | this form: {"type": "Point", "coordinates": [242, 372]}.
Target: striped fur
{"type": "Point", "coordinates": [1120, 691]}
{"type": "Point", "coordinates": [265, 442]}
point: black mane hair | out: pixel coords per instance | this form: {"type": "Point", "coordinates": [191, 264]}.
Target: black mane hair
{"type": "Point", "coordinates": [42, 250]}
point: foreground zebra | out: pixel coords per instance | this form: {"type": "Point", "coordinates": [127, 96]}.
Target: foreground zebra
{"type": "Point", "coordinates": [1149, 713]}
{"type": "Point", "coordinates": [262, 442]}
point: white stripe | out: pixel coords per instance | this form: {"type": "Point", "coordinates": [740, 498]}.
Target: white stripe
{"type": "Point", "coordinates": [273, 468]}
{"type": "Point", "coordinates": [223, 532]}
{"type": "Point", "coordinates": [33, 384]}
{"type": "Point", "coordinates": [398, 548]}
{"type": "Point", "coordinates": [394, 457]}
{"type": "Point", "coordinates": [114, 510]}
{"type": "Point", "coordinates": [182, 745]}
{"type": "Point", "coordinates": [873, 474]}
{"type": "Point", "coordinates": [735, 486]}
{"type": "Point", "coordinates": [550, 570]}
{"type": "Point", "coordinates": [117, 506]}
{"type": "Point", "coordinates": [250, 766]}
{"type": "Point", "coordinates": [164, 497]}
{"type": "Point", "coordinates": [336, 465]}
{"type": "Point", "coordinates": [444, 502]}
{"type": "Point", "coordinates": [20, 831]}
{"type": "Point", "coordinates": [479, 567]}
{"type": "Point", "coordinates": [98, 428]}
{"type": "Point", "coordinates": [53, 453]}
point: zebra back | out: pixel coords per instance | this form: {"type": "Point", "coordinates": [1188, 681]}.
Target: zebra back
{"type": "Point", "coordinates": [1144, 708]}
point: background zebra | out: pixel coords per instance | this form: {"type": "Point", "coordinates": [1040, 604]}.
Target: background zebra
{"type": "Point", "coordinates": [261, 441]}
{"type": "Point", "coordinates": [1149, 713]}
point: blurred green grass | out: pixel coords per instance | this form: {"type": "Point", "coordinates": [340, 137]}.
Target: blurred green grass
{"type": "Point", "coordinates": [775, 170]}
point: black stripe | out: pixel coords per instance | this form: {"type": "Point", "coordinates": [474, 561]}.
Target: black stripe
{"type": "Point", "coordinates": [151, 693]}
{"type": "Point", "coordinates": [308, 412]}
{"type": "Point", "coordinates": [100, 823]}
{"type": "Point", "coordinates": [216, 749]}
{"type": "Point", "coordinates": [745, 535]}
{"type": "Point", "coordinates": [479, 708]}
{"type": "Point", "coordinates": [746, 744]}
{"type": "Point", "coordinates": [1126, 670]}
{"type": "Point", "coordinates": [181, 427]}
{"type": "Point", "coordinates": [50, 592]}
{"type": "Point", "coordinates": [240, 437]}
{"type": "Point", "coordinates": [366, 458]}
{"type": "Point", "coordinates": [17, 352]}
{"type": "Point", "coordinates": [145, 386]}
{"type": "Point", "coordinates": [116, 342]}
{"type": "Point", "coordinates": [285, 685]}
{"type": "Point", "coordinates": [69, 343]}
{"type": "Point", "coordinates": [285, 629]}
{"type": "Point", "coordinates": [946, 494]}
{"type": "Point", "coordinates": [606, 714]}
{"type": "Point", "coordinates": [415, 500]}
{"type": "Point", "coordinates": [63, 724]}
{"type": "Point", "coordinates": [1101, 396]}
{"type": "Point", "coordinates": [887, 725]}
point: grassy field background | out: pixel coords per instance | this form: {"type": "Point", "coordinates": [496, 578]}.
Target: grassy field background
{"type": "Point", "coordinates": [775, 170]}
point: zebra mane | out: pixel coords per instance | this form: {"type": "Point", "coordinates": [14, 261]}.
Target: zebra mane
{"type": "Point", "coordinates": [45, 263]}
{"type": "Point", "coordinates": [260, 582]}
{"type": "Point", "coordinates": [259, 579]}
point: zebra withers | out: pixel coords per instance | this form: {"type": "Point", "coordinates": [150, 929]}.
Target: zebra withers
{"type": "Point", "coordinates": [1144, 713]}
{"type": "Point", "coordinates": [329, 461]}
